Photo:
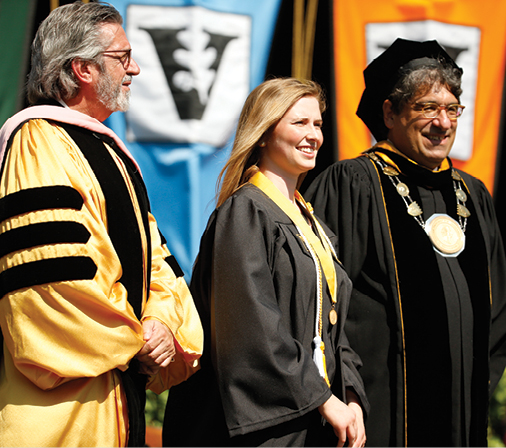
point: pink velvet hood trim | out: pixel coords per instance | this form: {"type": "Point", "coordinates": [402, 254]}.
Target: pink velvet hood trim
{"type": "Point", "coordinates": [63, 115]}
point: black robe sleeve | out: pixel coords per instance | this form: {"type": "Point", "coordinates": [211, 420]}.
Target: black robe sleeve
{"type": "Point", "coordinates": [497, 268]}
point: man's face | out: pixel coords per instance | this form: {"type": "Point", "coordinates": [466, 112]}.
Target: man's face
{"type": "Point", "coordinates": [427, 141]}
{"type": "Point", "coordinates": [113, 84]}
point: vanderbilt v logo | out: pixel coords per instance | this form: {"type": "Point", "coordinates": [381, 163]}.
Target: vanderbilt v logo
{"type": "Point", "coordinates": [190, 62]}
{"type": "Point", "coordinates": [195, 66]}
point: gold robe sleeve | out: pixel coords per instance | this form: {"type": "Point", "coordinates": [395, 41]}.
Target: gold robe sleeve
{"type": "Point", "coordinates": [170, 302]}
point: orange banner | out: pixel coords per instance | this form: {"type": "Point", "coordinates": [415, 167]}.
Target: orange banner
{"type": "Point", "coordinates": [471, 31]}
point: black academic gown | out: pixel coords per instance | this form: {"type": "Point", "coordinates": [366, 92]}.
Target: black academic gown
{"type": "Point", "coordinates": [254, 284]}
{"type": "Point", "coordinates": [419, 321]}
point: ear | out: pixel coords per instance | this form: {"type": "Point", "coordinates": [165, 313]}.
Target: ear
{"type": "Point", "coordinates": [83, 70]}
{"type": "Point", "coordinates": [388, 114]}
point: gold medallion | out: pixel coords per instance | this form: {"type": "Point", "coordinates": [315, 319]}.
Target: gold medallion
{"type": "Point", "coordinates": [373, 156]}
{"type": "Point", "coordinates": [402, 189]}
{"type": "Point", "coordinates": [333, 316]}
{"type": "Point", "coordinates": [414, 209]}
{"type": "Point", "coordinates": [461, 195]}
{"type": "Point", "coordinates": [456, 176]}
{"type": "Point", "coordinates": [463, 211]}
{"type": "Point", "coordinates": [390, 171]}
{"type": "Point", "coordinates": [445, 234]}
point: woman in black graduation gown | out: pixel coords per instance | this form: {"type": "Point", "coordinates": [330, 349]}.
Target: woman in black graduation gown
{"type": "Point", "coordinates": [277, 369]}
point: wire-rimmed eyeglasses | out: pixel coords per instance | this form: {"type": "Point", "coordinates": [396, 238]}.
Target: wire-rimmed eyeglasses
{"type": "Point", "coordinates": [123, 59]}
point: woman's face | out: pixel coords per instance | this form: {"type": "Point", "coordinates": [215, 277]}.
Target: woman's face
{"type": "Point", "coordinates": [290, 149]}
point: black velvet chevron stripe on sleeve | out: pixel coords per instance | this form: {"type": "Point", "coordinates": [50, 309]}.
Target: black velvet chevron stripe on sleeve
{"type": "Point", "coordinates": [172, 262]}
{"type": "Point", "coordinates": [56, 232]}
{"type": "Point", "coordinates": [34, 199]}
{"type": "Point", "coordinates": [46, 271]}
{"type": "Point", "coordinates": [49, 270]}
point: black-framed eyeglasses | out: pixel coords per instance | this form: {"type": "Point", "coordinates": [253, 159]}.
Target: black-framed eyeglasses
{"type": "Point", "coordinates": [123, 59]}
{"type": "Point", "coordinates": [432, 110]}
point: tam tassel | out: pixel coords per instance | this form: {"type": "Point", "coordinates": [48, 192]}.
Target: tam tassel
{"type": "Point", "coordinates": [319, 358]}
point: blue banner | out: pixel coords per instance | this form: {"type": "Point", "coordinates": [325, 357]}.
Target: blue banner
{"type": "Point", "coordinates": [199, 60]}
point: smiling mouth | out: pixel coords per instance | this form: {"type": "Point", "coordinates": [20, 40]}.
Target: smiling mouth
{"type": "Point", "coordinates": [436, 139]}
{"type": "Point", "coordinates": [306, 149]}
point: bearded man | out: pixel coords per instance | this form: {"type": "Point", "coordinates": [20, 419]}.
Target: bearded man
{"type": "Point", "coordinates": [93, 307]}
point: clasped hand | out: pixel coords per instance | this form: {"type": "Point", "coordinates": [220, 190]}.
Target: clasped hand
{"type": "Point", "coordinates": [346, 420]}
{"type": "Point", "coordinates": [159, 348]}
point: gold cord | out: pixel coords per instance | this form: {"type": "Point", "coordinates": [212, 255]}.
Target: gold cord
{"type": "Point", "coordinates": [304, 27]}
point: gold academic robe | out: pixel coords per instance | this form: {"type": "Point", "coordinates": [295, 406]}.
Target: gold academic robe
{"type": "Point", "coordinates": [66, 341]}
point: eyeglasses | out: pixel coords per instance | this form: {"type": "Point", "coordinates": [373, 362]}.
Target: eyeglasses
{"type": "Point", "coordinates": [432, 110]}
{"type": "Point", "coordinates": [123, 59]}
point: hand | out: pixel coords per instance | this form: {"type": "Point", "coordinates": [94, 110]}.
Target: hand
{"type": "Point", "coordinates": [354, 404]}
{"type": "Point", "coordinates": [159, 349]}
{"type": "Point", "coordinates": [343, 420]}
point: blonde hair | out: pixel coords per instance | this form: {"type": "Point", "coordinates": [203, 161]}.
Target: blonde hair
{"type": "Point", "coordinates": [263, 109]}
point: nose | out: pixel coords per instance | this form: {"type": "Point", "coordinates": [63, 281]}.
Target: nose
{"type": "Point", "coordinates": [133, 68]}
{"type": "Point", "coordinates": [314, 134]}
{"type": "Point", "coordinates": [442, 120]}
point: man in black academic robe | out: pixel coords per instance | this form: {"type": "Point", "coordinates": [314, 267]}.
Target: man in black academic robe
{"type": "Point", "coordinates": [421, 243]}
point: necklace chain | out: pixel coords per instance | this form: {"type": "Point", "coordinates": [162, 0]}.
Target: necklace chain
{"type": "Point", "coordinates": [412, 206]}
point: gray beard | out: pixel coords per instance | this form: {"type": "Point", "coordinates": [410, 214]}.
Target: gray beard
{"type": "Point", "coordinates": [112, 96]}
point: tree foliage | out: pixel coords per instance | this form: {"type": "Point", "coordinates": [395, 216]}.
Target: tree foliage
{"type": "Point", "coordinates": [497, 415]}
{"type": "Point", "coordinates": [155, 408]}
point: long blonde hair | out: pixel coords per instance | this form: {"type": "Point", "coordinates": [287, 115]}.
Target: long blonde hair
{"type": "Point", "coordinates": [263, 109]}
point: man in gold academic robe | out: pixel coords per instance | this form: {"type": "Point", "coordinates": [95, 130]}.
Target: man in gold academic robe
{"type": "Point", "coordinates": [93, 307]}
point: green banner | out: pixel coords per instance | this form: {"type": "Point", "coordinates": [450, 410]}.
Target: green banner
{"type": "Point", "coordinates": [16, 21]}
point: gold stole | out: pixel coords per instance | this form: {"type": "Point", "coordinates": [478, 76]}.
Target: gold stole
{"type": "Point", "coordinates": [387, 144]}
{"type": "Point", "coordinates": [320, 249]}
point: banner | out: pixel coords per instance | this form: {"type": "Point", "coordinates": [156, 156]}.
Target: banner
{"type": "Point", "coordinates": [199, 60]}
{"type": "Point", "coordinates": [471, 31]}
{"type": "Point", "coordinates": [16, 19]}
